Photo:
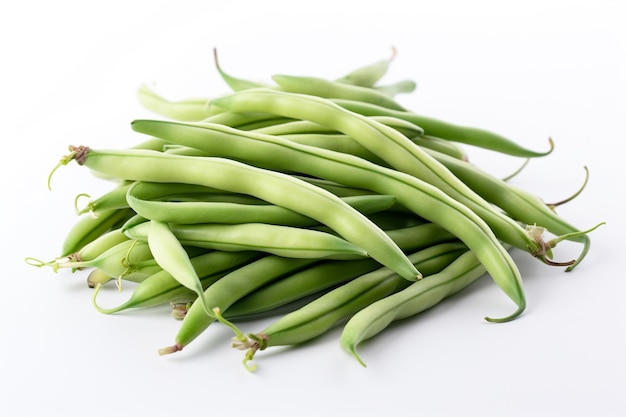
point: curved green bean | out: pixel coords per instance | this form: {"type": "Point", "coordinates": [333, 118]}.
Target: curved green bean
{"type": "Point", "coordinates": [183, 110]}
{"type": "Point", "coordinates": [397, 150]}
{"type": "Point", "coordinates": [286, 241]}
{"type": "Point", "coordinates": [162, 287]}
{"type": "Point", "coordinates": [88, 228]}
{"type": "Point", "coordinates": [328, 274]}
{"type": "Point", "coordinates": [326, 311]}
{"type": "Point", "coordinates": [321, 87]}
{"type": "Point", "coordinates": [191, 212]}
{"type": "Point", "coordinates": [229, 289]}
{"type": "Point", "coordinates": [445, 130]}
{"type": "Point", "coordinates": [423, 199]}
{"type": "Point", "coordinates": [370, 74]}
{"type": "Point", "coordinates": [273, 187]}
{"type": "Point", "coordinates": [410, 301]}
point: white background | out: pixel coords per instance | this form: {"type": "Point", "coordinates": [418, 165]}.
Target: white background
{"type": "Point", "coordinates": [528, 69]}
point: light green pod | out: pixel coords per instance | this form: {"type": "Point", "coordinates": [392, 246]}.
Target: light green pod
{"type": "Point", "coordinates": [290, 242]}
{"type": "Point", "coordinates": [410, 301]}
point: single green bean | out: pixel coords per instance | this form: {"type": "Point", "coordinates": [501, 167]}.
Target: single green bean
{"type": "Point", "coordinates": [410, 301]}
{"type": "Point", "coordinates": [89, 228]}
{"type": "Point", "coordinates": [169, 253]}
{"type": "Point", "coordinates": [290, 242]}
{"type": "Point", "coordinates": [370, 74]}
{"type": "Point", "coordinates": [402, 86]}
{"type": "Point", "coordinates": [320, 87]}
{"type": "Point", "coordinates": [191, 212]}
{"type": "Point", "coordinates": [183, 110]}
{"type": "Point", "coordinates": [273, 187]}
{"type": "Point", "coordinates": [112, 200]}
{"type": "Point", "coordinates": [445, 130]}
{"type": "Point", "coordinates": [237, 84]}
{"type": "Point", "coordinates": [408, 129]}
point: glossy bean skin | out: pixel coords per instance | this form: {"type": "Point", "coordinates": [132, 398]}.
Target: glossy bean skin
{"type": "Point", "coordinates": [326, 311]}
{"type": "Point", "coordinates": [161, 287]}
{"type": "Point", "coordinates": [421, 198]}
{"type": "Point", "coordinates": [445, 130]}
{"type": "Point", "coordinates": [395, 149]}
{"type": "Point", "coordinates": [273, 187]}
{"type": "Point", "coordinates": [286, 241]}
{"type": "Point", "coordinates": [410, 301]}
{"type": "Point", "coordinates": [193, 212]}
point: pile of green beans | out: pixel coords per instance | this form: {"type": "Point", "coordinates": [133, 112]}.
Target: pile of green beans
{"type": "Point", "coordinates": [318, 202]}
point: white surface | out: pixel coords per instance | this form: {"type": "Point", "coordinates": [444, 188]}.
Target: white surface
{"type": "Point", "coordinates": [528, 69]}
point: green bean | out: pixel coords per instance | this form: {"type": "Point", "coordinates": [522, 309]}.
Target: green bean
{"type": "Point", "coordinates": [518, 203]}
{"type": "Point", "coordinates": [169, 253]}
{"type": "Point", "coordinates": [245, 121]}
{"type": "Point", "coordinates": [368, 75]}
{"type": "Point", "coordinates": [445, 147]}
{"type": "Point", "coordinates": [98, 246]}
{"type": "Point", "coordinates": [402, 86]}
{"type": "Point", "coordinates": [456, 133]}
{"type": "Point", "coordinates": [326, 311]}
{"type": "Point", "coordinates": [330, 273]}
{"type": "Point", "coordinates": [273, 187]}
{"type": "Point", "coordinates": [183, 110]}
{"type": "Point", "coordinates": [190, 212]}
{"type": "Point", "coordinates": [162, 287]}
{"type": "Point", "coordinates": [235, 213]}
{"type": "Point", "coordinates": [305, 126]}
{"type": "Point", "coordinates": [290, 242]}
{"type": "Point", "coordinates": [154, 144]}
{"type": "Point", "coordinates": [89, 228]}
{"type": "Point", "coordinates": [337, 143]}
{"type": "Point", "coordinates": [416, 298]}
{"type": "Point", "coordinates": [237, 84]}
{"type": "Point", "coordinates": [423, 199]}
{"type": "Point", "coordinates": [394, 148]}
{"type": "Point", "coordinates": [231, 288]}
{"type": "Point", "coordinates": [130, 260]}
{"type": "Point", "coordinates": [320, 87]}
{"type": "Point", "coordinates": [98, 277]}
{"type": "Point", "coordinates": [112, 200]}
